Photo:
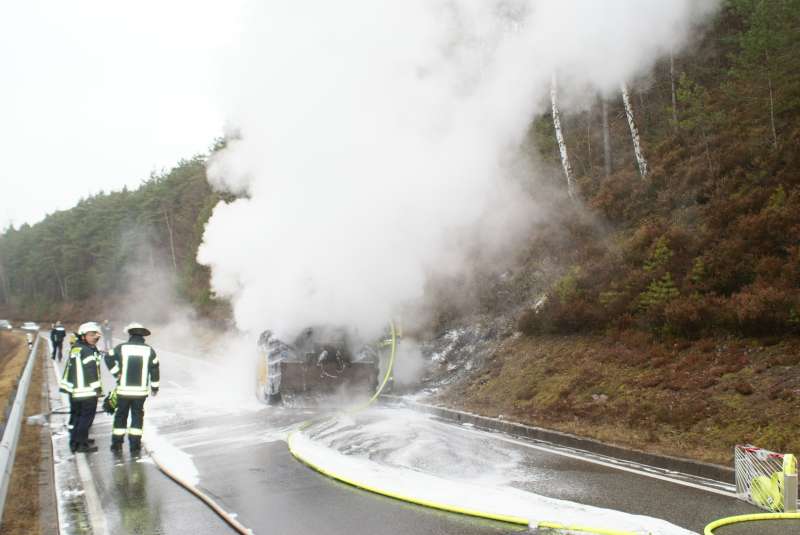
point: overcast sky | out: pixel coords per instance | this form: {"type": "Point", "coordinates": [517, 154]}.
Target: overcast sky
{"type": "Point", "coordinates": [96, 94]}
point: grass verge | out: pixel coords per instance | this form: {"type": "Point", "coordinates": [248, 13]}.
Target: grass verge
{"type": "Point", "coordinates": [693, 400]}
{"type": "Point", "coordinates": [22, 508]}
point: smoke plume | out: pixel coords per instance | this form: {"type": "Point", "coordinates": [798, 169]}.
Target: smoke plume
{"type": "Point", "coordinates": [376, 143]}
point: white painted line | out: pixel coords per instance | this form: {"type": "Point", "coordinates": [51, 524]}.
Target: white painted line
{"type": "Point", "coordinates": [595, 460]}
{"type": "Point", "coordinates": [96, 516]}
{"type": "Point", "coordinates": [589, 457]}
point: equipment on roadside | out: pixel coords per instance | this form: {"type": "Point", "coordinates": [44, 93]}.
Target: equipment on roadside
{"type": "Point", "coordinates": [324, 365]}
{"type": "Point", "coordinates": [110, 402]}
{"type": "Point", "coordinates": [765, 478]}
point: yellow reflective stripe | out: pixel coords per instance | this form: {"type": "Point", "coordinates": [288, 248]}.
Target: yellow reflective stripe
{"type": "Point", "coordinates": [135, 432]}
{"type": "Point", "coordinates": [155, 360]}
{"type": "Point", "coordinates": [123, 377]}
{"type": "Point", "coordinates": [155, 383]}
{"type": "Point", "coordinates": [115, 369]}
{"type": "Point", "coordinates": [88, 359]}
{"type": "Point", "coordinates": [131, 391]}
{"type": "Point", "coordinates": [118, 432]}
{"type": "Point", "coordinates": [79, 370]}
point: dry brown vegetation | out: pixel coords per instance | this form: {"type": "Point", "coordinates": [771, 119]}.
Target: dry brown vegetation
{"type": "Point", "coordinates": [671, 321]}
{"type": "Point", "coordinates": [689, 399]}
{"type": "Point", "coordinates": [13, 353]}
{"type": "Point", "coordinates": [21, 514]}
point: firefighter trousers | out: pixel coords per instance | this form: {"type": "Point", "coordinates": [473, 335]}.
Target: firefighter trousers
{"type": "Point", "coordinates": [74, 408]}
{"type": "Point", "coordinates": [134, 406]}
{"type": "Point", "coordinates": [85, 409]}
{"type": "Point", "coordinates": [57, 350]}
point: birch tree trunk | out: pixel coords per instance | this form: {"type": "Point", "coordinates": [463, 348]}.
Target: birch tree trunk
{"type": "Point", "coordinates": [171, 240]}
{"type": "Point", "coordinates": [607, 164]}
{"type": "Point", "coordinates": [674, 92]}
{"type": "Point", "coordinates": [771, 101]}
{"type": "Point", "coordinates": [772, 114]}
{"type": "Point", "coordinates": [637, 144]}
{"type": "Point", "coordinates": [589, 141]}
{"type": "Point", "coordinates": [61, 286]}
{"type": "Point", "coordinates": [562, 145]}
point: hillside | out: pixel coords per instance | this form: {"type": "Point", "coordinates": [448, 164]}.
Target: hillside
{"type": "Point", "coordinates": [660, 311]}
{"type": "Point", "coordinates": [665, 317]}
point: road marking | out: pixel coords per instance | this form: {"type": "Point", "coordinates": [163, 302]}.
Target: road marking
{"type": "Point", "coordinates": [96, 516]}
{"type": "Point", "coordinates": [594, 460]}
{"type": "Point", "coordinates": [629, 466]}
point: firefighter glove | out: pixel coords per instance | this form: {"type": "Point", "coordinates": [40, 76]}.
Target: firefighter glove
{"type": "Point", "coordinates": [154, 391]}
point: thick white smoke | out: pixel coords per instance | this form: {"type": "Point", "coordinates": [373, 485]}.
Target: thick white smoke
{"type": "Point", "coordinates": [375, 141]}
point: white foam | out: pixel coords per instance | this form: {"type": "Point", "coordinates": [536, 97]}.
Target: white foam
{"type": "Point", "coordinates": [174, 459]}
{"type": "Point", "coordinates": [496, 500]}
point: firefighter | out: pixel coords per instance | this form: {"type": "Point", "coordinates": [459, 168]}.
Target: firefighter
{"type": "Point", "coordinates": [135, 366]}
{"type": "Point", "coordinates": [73, 415]}
{"type": "Point", "coordinates": [81, 380]}
{"type": "Point", "coordinates": [57, 336]}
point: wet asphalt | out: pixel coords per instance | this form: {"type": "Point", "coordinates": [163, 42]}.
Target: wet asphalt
{"type": "Point", "coordinates": [272, 493]}
{"type": "Point", "coordinates": [138, 499]}
{"type": "Point", "coordinates": [244, 464]}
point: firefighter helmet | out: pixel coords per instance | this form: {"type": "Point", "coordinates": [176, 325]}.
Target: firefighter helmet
{"type": "Point", "coordinates": [89, 326]}
{"type": "Point", "coordinates": [137, 328]}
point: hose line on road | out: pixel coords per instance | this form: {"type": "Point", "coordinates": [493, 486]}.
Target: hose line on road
{"type": "Point", "coordinates": [748, 518]}
{"type": "Point", "coordinates": [386, 376]}
{"type": "Point", "coordinates": [419, 501]}
{"type": "Point", "coordinates": [222, 513]}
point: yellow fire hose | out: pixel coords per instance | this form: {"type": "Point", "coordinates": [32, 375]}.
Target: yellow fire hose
{"type": "Point", "coordinates": [427, 503]}
{"type": "Point", "coordinates": [776, 490]}
{"type": "Point", "coordinates": [748, 518]}
{"type": "Point", "coordinates": [222, 513]}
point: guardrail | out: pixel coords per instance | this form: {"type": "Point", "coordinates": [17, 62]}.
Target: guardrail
{"type": "Point", "coordinates": [11, 432]}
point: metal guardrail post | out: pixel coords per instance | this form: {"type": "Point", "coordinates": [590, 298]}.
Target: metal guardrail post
{"type": "Point", "coordinates": [790, 493]}
{"type": "Point", "coordinates": [8, 444]}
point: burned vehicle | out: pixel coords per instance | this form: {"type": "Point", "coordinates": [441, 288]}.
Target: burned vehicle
{"type": "Point", "coordinates": [321, 365]}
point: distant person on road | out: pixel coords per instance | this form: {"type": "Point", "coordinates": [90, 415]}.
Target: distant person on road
{"type": "Point", "coordinates": [57, 336]}
{"type": "Point", "coordinates": [81, 380]}
{"type": "Point", "coordinates": [135, 366]}
{"type": "Point", "coordinates": [107, 336]}
{"type": "Point", "coordinates": [29, 337]}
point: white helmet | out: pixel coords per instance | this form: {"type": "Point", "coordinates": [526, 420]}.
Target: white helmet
{"type": "Point", "coordinates": [89, 326]}
{"type": "Point", "coordinates": [137, 328]}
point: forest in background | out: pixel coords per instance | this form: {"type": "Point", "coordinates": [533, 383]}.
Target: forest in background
{"type": "Point", "coordinates": [86, 256]}
{"type": "Point", "coordinates": [706, 242]}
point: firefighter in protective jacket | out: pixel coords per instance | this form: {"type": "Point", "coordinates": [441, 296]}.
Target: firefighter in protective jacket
{"type": "Point", "coordinates": [81, 380]}
{"type": "Point", "coordinates": [135, 366]}
{"type": "Point", "coordinates": [57, 336]}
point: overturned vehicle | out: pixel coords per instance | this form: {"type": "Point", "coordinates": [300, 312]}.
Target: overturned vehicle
{"type": "Point", "coordinates": [322, 365]}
